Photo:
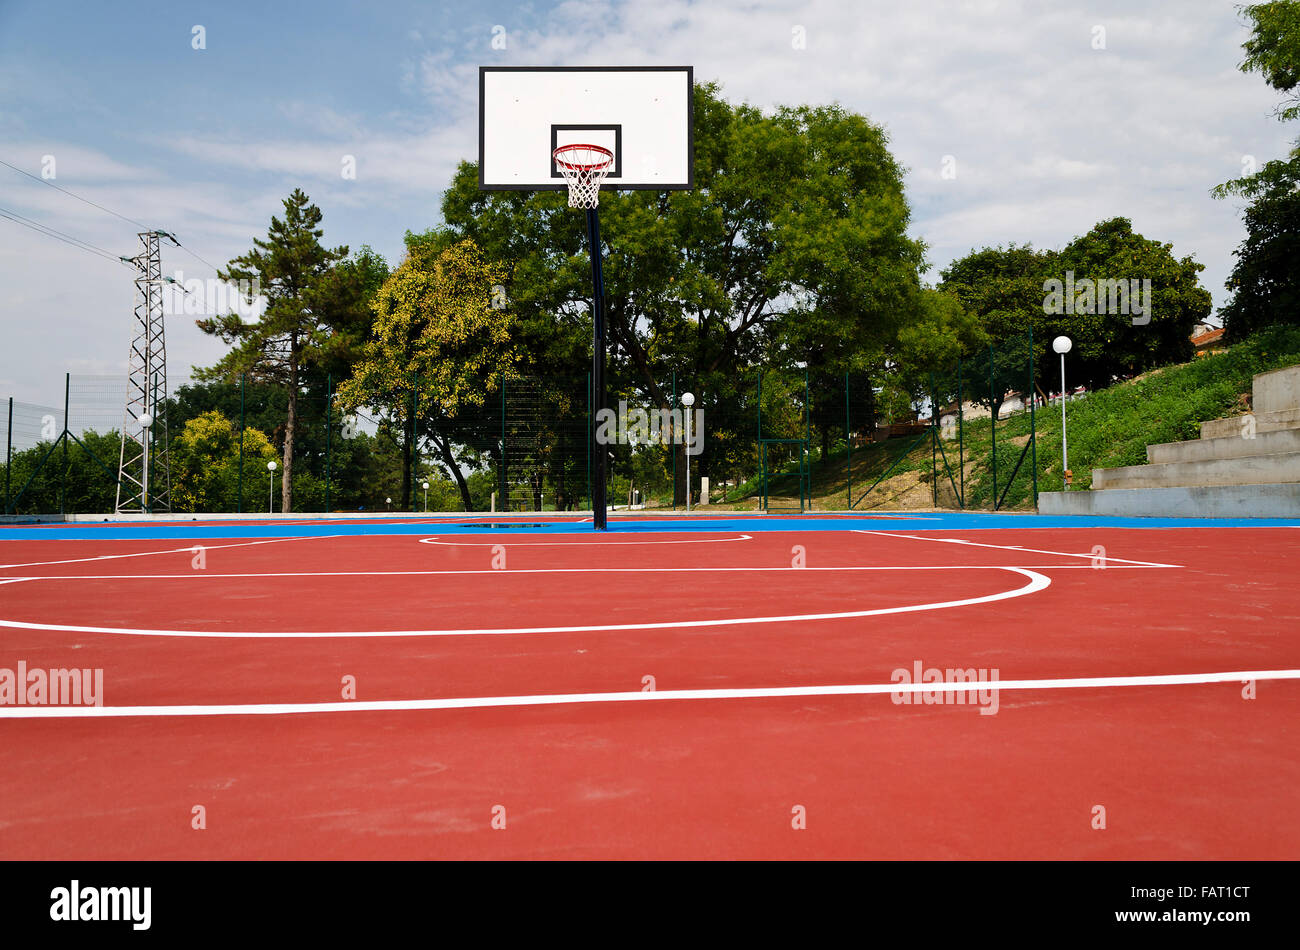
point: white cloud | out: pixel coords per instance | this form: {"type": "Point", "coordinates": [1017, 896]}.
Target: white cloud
{"type": "Point", "coordinates": [1050, 136]}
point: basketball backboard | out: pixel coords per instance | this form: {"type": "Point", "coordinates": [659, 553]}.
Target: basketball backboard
{"type": "Point", "coordinates": [640, 113]}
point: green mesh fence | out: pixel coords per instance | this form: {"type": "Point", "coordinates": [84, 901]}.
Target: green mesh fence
{"type": "Point", "coordinates": [780, 438]}
{"type": "Point", "coordinates": [783, 403]}
{"type": "Point", "coordinates": [542, 459]}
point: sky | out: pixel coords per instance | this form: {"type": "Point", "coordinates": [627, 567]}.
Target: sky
{"type": "Point", "coordinates": [1053, 115]}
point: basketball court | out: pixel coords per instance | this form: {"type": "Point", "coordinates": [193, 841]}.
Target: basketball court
{"type": "Point", "coordinates": [821, 686]}
{"type": "Point", "coordinates": [721, 687]}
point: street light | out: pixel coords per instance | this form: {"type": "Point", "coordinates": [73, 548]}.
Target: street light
{"type": "Point", "coordinates": [1062, 345]}
{"type": "Point", "coordinates": [270, 501]}
{"type": "Point", "coordinates": [688, 400]}
{"type": "Point", "coordinates": [426, 496]}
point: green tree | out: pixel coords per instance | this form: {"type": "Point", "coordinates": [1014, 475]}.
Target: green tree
{"type": "Point", "coordinates": [205, 458]}
{"type": "Point", "coordinates": [308, 294]}
{"type": "Point", "coordinates": [360, 278]}
{"type": "Point", "coordinates": [1110, 346]}
{"type": "Point", "coordinates": [792, 246]}
{"type": "Point", "coordinates": [924, 356]}
{"type": "Point", "coordinates": [1003, 289]}
{"type": "Point", "coordinates": [439, 348]}
{"type": "Point", "coordinates": [1266, 278]}
{"type": "Point", "coordinates": [1265, 281]}
{"type": "Point", "coordinates": [82, 480]}
{"type": "Point", "coordinates": [1015, 288]}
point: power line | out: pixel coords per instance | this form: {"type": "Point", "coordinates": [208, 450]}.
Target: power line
{"type": "Point", "coordinates": [214, 268]}
{"type": "Point", "coordinates": [139, 224]}
{"type": "Point", "coordinates": [78, 243]}
{"type": "Point", "coordinates": [66, 238]}
{"type": "Point", "coordinates": [46, 181]}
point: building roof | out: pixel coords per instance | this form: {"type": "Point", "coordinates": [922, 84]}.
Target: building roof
{"type": "Point", "coordinates": [1208, 338]}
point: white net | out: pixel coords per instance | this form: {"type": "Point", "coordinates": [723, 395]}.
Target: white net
{"type": "Point", "coordinates": [584, 167]}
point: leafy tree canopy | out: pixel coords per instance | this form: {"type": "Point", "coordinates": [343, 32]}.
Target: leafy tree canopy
{"type": "Point", "coordinates": [791, 250]}
{"type": "Point", "coordinates": [439, 346]}
{"type": "Point", "coordinates": [1265, 281]}
{"type": "Point", "coordinates": [312, 297]}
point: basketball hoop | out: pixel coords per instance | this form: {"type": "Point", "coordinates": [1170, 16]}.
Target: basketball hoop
{"type": "Point", "coordinates": [584, 167]}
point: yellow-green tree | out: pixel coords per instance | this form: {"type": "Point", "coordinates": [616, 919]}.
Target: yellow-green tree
{"type": "Point", "coordinates": [205, 464]}
{"type": "Point", "coordinates": [441, 343]}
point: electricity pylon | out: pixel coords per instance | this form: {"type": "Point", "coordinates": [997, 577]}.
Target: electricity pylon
{"type": "Point", "coordinates": [144, 481]}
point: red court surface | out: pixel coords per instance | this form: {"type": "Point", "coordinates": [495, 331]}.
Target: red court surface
{"type": "Point", "coordinates": [456, 642]}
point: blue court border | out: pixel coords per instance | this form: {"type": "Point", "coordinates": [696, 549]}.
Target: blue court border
{"type": "Point", "coordinates": [324, 527]}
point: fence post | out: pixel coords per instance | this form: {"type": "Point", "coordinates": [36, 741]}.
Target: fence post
{"type": "Point", "coordinates": [9, 451]}
{"type": "Point", "coordinates": [806, 460]}
{"type": "Point", "coordinates": [415, 440]}
{"type": "Point", "coordinates": [762, 464]}
{"type": "Point", "coordinates": [961, 440]}
{"type": "Point", "coordinates": [934, 447]}
{"type": "Point", "coordinates": [1033, 426]}
{"type": "Point", "coordinates": [848, 440]}
{"type": "Point", "coordinates": [329, 405]}
{"type": "Point", "coordinates": [239, 501]}
{"type": "Point", "coordinates": [63, 474]}
{"type": "Point", "coordinates": [672, 444]}
{"type": "Point", "coordinates": [501, 460]}
{"type": "Point", "coordinates": [993, 429]}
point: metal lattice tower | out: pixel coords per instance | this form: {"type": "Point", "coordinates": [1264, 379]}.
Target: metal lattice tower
{"type": "Point", "coordinates": [144, 469]}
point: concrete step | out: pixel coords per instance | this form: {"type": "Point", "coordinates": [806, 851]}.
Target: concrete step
{"type": "Point", "coordinates": [1264, 422]}
{"type": "Point", "coordinates": [1251, 470]}
{"type": "Point", "coordinates": [1230, 447]}
{"type": "Point", "coordinates": [1277, 390]}
{"type": "Point", "coordinates": [1217, 501]}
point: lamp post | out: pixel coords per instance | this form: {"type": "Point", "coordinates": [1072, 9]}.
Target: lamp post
{"type": "Point", "coordinates": [425, 486]}
{"type": "Point", "coordinates": [1062, 345]}
{"type": "Point", "coordinates": [688, 400]}
{"type": "Point", "coordinates": [270, 500]}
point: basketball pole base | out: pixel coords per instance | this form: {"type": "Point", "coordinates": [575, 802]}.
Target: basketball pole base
{"type": "Point", "coordinates": [597, 371]}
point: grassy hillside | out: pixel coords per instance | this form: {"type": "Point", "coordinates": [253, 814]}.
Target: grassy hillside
{"type": "Point", "coordinates": [1106, 429]}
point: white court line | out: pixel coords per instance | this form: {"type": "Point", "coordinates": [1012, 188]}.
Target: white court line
{"type": "Point", "coordinates": [559, 699]}
{"type": "Point", "coordinates": [1010, 547]}
{"type": "Point", "coordinates": [188, 550]}
{"type": "Point", "coordinates": [260, 575]}
{"type": "Point", "coordinates": [1036, 583]}
{"type": "Point", "coordinates": [563, 544]}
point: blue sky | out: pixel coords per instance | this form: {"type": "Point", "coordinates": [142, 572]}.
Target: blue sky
{"type": "Point", "coordinates": [1049, 133]}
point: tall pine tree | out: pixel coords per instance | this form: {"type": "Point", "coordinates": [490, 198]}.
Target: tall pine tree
{"type": "Point", "coordinates": [307, 293]}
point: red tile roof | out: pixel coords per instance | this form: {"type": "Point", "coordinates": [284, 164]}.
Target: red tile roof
{"type": "Point", "coordinates": [1202, 340]}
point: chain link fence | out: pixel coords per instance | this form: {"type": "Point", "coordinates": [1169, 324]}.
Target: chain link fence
{"type": "Point", "coordinates": [774, 439]}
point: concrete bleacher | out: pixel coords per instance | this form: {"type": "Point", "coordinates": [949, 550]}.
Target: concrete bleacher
{"type": "Point", "coordinates": [1241, 466]}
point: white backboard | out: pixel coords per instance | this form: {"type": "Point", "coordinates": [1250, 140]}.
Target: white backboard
{"type": "Point", "coordinates": [640, 113]}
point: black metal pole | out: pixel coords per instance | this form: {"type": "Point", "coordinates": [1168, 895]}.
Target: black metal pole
{"type": "Point", "coordinates": [9, 451]}
{"type": "Point", "coordinates": [993, 418]}
{"type": "Point", "coordinates": [63, 476]}
{"type": "Point", "coordinates": [239, 501]}
{"type": "Point", "coordinates": [597, 369]}
{"type": "Point", "coordinates": [504, 486]}
{"type": "Point", "coordinates": [934, 446]}
{"type": "Point", "coordinates": [415, 439]}
{"type": "Point", "coordinates": [329, 399]}
{"type": "Point", "coordinates": [1033, 427]}
{"type": "Point", "coordinates": [961, 440]}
